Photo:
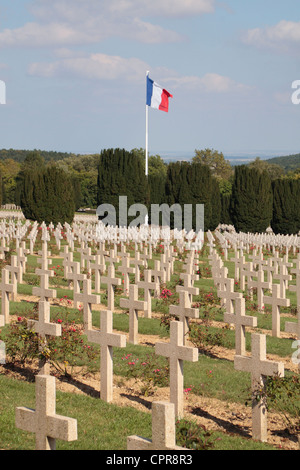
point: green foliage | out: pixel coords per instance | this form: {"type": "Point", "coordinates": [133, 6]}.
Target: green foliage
{"type": "Point", "coordinates": [47, 194]}
{"type": "Point", "coordinates": [286, 209]}
{"type": "Point", "coordinates": [64, 353]}
{"type": "Point", "coordinates": [274, 170]}
{"type": "Point", "coordinates": [225, 217]}
{"type": "Point", "coordinates": [216, 162]}
{"type": "Point", "coordinates": [191, 183]}
{"type": "Point", "coordinates": [194, 436]}
{"type": "Point", "coordinates": [252, 200]}
{"type": "Point", "coordinates": [288, 163]}
{"type": "Point", "coordinates": [20, 155]}
{"type": "Point", "coordinates": [216, 206]}
{"type": "Point", "coordinates": [282, 394]}
{"type": "Point", "coordinates": [121, 173]}
{"type": "Point", "coordinates": [152, 371]}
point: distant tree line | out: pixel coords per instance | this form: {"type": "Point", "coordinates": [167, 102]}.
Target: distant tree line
{"type": "Point", "coordinates": [250, 197]}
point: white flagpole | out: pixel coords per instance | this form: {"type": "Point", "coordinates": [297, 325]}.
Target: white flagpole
{"type": "Point", "coordinates": [147, 122]}
{"type": "Point", "coordinates": [147, 144]}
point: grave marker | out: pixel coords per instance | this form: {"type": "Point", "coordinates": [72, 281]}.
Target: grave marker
{"type": "Point", "coordinates": [163, 430]}
{"type": "Point", "coordinates": [276, 302]}
{"type": "Point", "coordinates": [134, 306]}
{"type": "Point", "coordinates": [177, 353]}
{"type": "Point", "coordinates": [184, 311]}
{"type": "Point", "coordinates": [260, 368]}
{"type": "Point", "coordinates": [107, 340]}
{"type": "Point", "coordinates": [240, 320]}
{"type": "Point", "coordinates": [43, 421]}
{"type": "Point", "coordinates": [111, 281]}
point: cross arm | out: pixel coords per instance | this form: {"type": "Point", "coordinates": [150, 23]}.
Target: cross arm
{"type": "Point", "coordinates": [60, 427]}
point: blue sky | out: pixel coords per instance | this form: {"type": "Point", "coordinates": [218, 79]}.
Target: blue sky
{"type": "Point", "coordinates": [75, 75]}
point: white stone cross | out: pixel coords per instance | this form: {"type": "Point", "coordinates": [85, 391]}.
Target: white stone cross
{"type": "Point", "coordinates": [228, 295]}
{"type": "Point", "coordinates": [14, 272]}
{"type": "Point", "coordinates": [43, 421]}
{"type": "Point", "coordinates": [163, 430]}
{"type": "Point", "coordinates": [260, 284]}
{"type": "Point", "coordinates": [284, 277]}
{"type": "Point", "coordinates": [240, 320]}
{"type": "Point", "coordinates": [258, 260]}
{"type": "Point", "coordinates": [158, 273]}
{"type": "Point", "coordinates": [82, 251]}
{"type": "Point", "coordinates": [269, 269]}
{"type": "Point", "coordinates": [67, 260]}
{"type": "Point", "coordinates": [6, 289]}
{"type": "Point", "coordinates": [43, 327]}
{"type": "Point", "coordinates": [148, 285]}
{"type": "Point", "coordinates": [137, 263]}
{"type": "Point", "coordinates": [260, 368]}
{"type": "Point", "coordinates": [113, 258]}
{"type": "Point", "coordinates": [276, 301]}
{"type": "Point", "coordinates": [184, 311]}
{"type": "Point", "coordinates": [87, 257]}
{"type": "Point", "coordinates": [76, 277]}
{"type": "Point", "coordinates": [296, 288]}
{"type": "Point", "coordinates": [111, 281]}
{"type": "Point", "coordinates": [107, 340]}
{"type": "Point", "coordinates": [134, 306]}
{"type": "Point", "coordinates": [126, 270]}
{"type": "Point", "coordinates": [43, 291]}
{"type": "Point", "coordinates": [87, 299]}
{"type": "Point", "coordinates": [21, 261]}
{"type": "Point", "coordinates": [165, 266]}
{"type": "Point", "coordinates": [188, 285]}
{"type": "Point", "coordinates": [99, 268]}
{"type": "Point", "coordinates": [177, 353]}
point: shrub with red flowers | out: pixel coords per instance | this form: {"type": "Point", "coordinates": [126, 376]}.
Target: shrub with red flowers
{"type": "Point", "coordinates": [165, 294]}
{"type": "Point", "coordinates": [151, 371]}
{"type": "Point", "coordinates": [66, 354]}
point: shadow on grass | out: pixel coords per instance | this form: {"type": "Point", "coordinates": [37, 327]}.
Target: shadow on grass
{"type": "Point", "coordinates": [142, 401]}
{"type": "Point", "coordinates": [229, 427]}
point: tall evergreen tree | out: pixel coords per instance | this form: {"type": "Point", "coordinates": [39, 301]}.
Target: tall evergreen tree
{"type": "Point", "coordinates": [286, 207]}
{"type": "Point", "coordinates": [252, 200]}
{"type": "Point", "coordinates": [121, 173]}
{"type": "Point", "coordinates": [190, 183]}
{"type": "Point", "coordinates": [225, 217]}
{"type": "Point", "coordinates": [215, 205]}
{"type": "Point", "coordinates": [47, 194]}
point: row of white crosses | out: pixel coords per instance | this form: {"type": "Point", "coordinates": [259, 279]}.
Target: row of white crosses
{"type": "Point", "coordinates": [257, 364]}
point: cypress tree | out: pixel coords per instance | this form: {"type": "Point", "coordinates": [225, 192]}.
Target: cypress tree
{"type": "Point", "coordinates": [215, 205]}
{"type": "Point", "coordinates": [47, 195]}
{"type": "Point", "coordinates": [225, 217]}
{"type": "Point", "coordinates": [286, 208]}
{"type": "Point", "coordinates": [252, 200]}
{"type": "Point", "coordinates": [190, 183]}
{"type": "Point", "coordinates": [121, 173]}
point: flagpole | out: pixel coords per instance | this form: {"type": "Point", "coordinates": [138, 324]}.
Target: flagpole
{"type": "Point", "coordinates": [147, 135]}
{"type": "Point", "coordinates": [146, 144]}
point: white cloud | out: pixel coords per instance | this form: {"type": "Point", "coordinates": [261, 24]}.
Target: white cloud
{"type": "Point", "coordinates": [100, 66]}
{"type": "Point", "coordinates": [71, 10]}
{"type": "Point", "coordinates": [282, 36]}
{"type": "Point", "coordinates": [209, 83]}
{"type": "Point", "coordinates": [73, 22]}
{"type": "Point", "coordinates": [95, 66]}
{"type": "Point", "coordinates": [167, 8]}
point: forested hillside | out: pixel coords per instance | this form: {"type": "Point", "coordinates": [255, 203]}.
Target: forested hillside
{"type": "Point", "coordinates": [288, 163]}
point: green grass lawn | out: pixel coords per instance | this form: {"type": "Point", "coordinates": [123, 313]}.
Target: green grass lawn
{"type": "Point", "coordinates": [101, 426]}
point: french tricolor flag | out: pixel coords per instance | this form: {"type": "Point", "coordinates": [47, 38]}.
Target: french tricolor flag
{"type": "Point", "coordinates": [157, 97]}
